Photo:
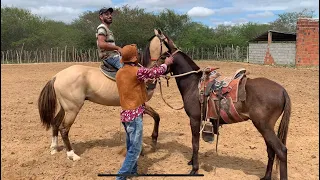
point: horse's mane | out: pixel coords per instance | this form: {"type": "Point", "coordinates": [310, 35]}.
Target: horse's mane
{"type": "Point", "coordinates": [193, 65]}
{"type": "Point", "coordinates": [145, 60]}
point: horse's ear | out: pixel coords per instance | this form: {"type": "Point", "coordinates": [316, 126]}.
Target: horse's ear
{"type": "Point", "coordinates": [160, 32]}
{"type": "Point", "coordinates": [156, 32]}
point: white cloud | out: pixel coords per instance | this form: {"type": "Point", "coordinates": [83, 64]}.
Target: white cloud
{"type": "Point", "coordinates": [264, 14]}
{"type": "Point", "coordinates": [200, 12]}
{"type": "Point", "coordinates": [158, 5]}
{"type": "Point", "coordinates": [234, 22]}
{"type": "Point", "coordinates": [274, 5]}
{"type": "Point", "coordinates": [59, 13]}
{"type": "Point", "coordinates": [241, 20]}
{"type": "Point", "coordinates": [228, 10]}
{"type": "Point", "coordinates": [59, 10]}
{"type": "Point", "coordinates": [66, 10]}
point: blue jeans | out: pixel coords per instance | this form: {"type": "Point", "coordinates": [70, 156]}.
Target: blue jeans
{"type": "Point", "coordinates": [134, 130]}
{"type": "Point", "coordinates": [114, 61]}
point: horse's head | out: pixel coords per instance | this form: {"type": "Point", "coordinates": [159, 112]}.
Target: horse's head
{"type": "Point", "coordinates": [160, 46]}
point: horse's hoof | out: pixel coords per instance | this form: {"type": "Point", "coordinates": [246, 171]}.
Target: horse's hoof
{"type": "Point", "coordinates": [53, 151]}
{"type": "Point", "coordinates": [72, 156]}
{"type": "Point", "coordinates": [154, 144]}
{"type": "Point", "coordinates": [264, 178]}
{"type": "Point", "coordinates": [76, 157]}
{"type": "Point", "coordinates": [193, 172]}
{"type": "Point", "coordinates": [142, 152]}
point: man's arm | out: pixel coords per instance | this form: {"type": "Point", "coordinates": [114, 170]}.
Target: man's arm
{"type": "Point", "coordinates": [151, 73]}
{"type": "Point", "coordinates": [107, 46]}
{"type": "Point", "coordinates": [155, 72]}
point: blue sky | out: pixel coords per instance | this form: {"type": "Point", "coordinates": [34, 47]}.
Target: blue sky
{"type": "Point", "coordinates": [208, 12]}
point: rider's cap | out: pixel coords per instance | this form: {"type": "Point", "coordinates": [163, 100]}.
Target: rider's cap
{"type": "Point", "coordinates": [104, 10]}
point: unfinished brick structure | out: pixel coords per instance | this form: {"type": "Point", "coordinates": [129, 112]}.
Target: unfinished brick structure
{"type": "Point", "coordinates": [300, 48]}
{"type": "Point", "coordinates": [273, 47]}
{"type": "Point", "coordinates": [307, 42]}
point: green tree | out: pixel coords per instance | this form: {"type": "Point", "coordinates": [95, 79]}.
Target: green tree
{"type": "Point", "coordinates": [18, 27]}
{"type": "Point", "coordinates": [287, 22]}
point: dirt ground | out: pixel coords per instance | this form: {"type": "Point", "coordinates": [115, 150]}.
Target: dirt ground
{"type": "Point", "coordinates": [96, 133]}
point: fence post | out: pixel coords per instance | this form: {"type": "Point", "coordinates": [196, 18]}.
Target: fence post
{"type": "Point", "coordinates": [202, 53]}
{"type": "Point", "coordinates": [2, 57]}
{"type": "Point", "coordinates": [21, 53]}
{"type": "Point", "coordinates": [247, 54]}
{"type": "Point", "coordinates": [192, 53]}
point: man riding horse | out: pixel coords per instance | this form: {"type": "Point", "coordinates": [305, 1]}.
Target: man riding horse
{"type": "Point", "coordinates": [109, 53]}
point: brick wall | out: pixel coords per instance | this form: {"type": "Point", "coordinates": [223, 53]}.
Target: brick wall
{"type": "Point", "coordinates": [307, 44]}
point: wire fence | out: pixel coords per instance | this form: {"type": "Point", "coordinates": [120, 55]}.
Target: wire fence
{"type": "Point", "coordinates": [72, 54]}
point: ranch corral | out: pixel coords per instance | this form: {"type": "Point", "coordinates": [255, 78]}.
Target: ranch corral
{"type": "Point", "coordinates": [96, 132]}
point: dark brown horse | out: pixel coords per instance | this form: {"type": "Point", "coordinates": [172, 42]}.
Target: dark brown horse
{"type": "Point", "coordinates": [264, 103]}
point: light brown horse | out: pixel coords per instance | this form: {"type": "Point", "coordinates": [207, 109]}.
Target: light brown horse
{"type": "Point", "coordinates": [63, 96]}
{"type": "Point", "coordinates": [264, 103]}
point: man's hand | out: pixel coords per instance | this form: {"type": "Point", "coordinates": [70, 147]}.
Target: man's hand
{"type": "Point", "coordinates": [119, 50]}
{"type": "Point", "coordinates": [168, 60]}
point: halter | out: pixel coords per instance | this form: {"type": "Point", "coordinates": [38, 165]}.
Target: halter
{"type": "Point", "coordinates": [161, 42]}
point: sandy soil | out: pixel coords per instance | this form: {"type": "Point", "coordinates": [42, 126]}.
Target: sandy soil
{"type": "Point", "coordinates": [96, 132]}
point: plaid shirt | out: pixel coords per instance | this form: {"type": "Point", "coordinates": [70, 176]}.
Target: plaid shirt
{"type": "Point", "coordinates": [143, 74]}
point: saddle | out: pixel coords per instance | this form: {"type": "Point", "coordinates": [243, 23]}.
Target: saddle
{"type": "Point", "coordinates": [108, 70]}
{"type": "Point", "coordinates": [217, 97]}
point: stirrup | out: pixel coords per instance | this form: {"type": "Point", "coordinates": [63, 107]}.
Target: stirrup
{"type": "Point", "coordinates": [208, 128]}
{"type": "Point", "coordinates": [207, 132]}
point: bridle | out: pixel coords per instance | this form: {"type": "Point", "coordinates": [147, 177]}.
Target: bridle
{"type": "Point", "coordinates": [161, 55]}
{"type": "Point", "coordinates": [162, 41]}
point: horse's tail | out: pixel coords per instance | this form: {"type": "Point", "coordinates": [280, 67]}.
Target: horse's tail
{"type": "Point", "coordinates": [47, 104]}
{"type": "Point", "coordinates": [284, 124]}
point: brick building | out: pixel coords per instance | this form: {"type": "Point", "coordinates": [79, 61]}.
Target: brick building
{"type": "Point", "coordinates": [307, 45]}
{"type": "Point", "coordinates": [300, 48]}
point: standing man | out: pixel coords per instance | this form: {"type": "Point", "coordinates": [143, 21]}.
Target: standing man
{"type": "Point", "coordinates": [108, 51]}
{"type": "Point", "coordinates": [130, 81]}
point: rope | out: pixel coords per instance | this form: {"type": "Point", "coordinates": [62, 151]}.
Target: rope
{"type": "Point", "coordinates": [165, 100]}
{"type": "Point", "coordinates": [175, 76]}
{"type": "Point", "coordinates": [180, 75]}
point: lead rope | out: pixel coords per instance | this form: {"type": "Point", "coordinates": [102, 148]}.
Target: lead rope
{"type": "Point", "coordinates": [165, 100]}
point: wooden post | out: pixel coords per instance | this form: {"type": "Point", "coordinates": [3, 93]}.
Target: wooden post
{"type": "Point", "coordinates": [89, 55]}
{"type": "Point", "coordinates": [2, 57]}
{"type": "Point", "coordinates": [7, 54]}
{"type": "Point", "coordinates": [61, 56]}
{"type": "Point", "coordinates": [21, 53]}
{"type": "Point", "coordinates": [201, 53]}
{"type": "Point", "coordinates": [51, 53]}
{"type": "Point", "coordinates": [17, 53]}
{"type": "Point", "coordinates": [248, 54]}
{"type": "Point", "coordinates": [65, 53]}
{"type": "Point", "coordinates": [192, 53]}
{"type": "Point", "coordinates": [37, 55]}
{"type": "Point", "coordinates": [232, 52]}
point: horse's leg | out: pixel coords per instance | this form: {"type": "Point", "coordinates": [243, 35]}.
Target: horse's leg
{"type": "Point", "coordinates": [150, 111]}
{"type": "Point", "coordinates": [195, 128]}
{"type": "Point", "coordinates": [64, 131]}
{"type": "Point", "coordinates": [278, 148]}
{"type": "Point", "coordinates": [54, 142]}
{"type": "Point", "coordinates": [271, 155]}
